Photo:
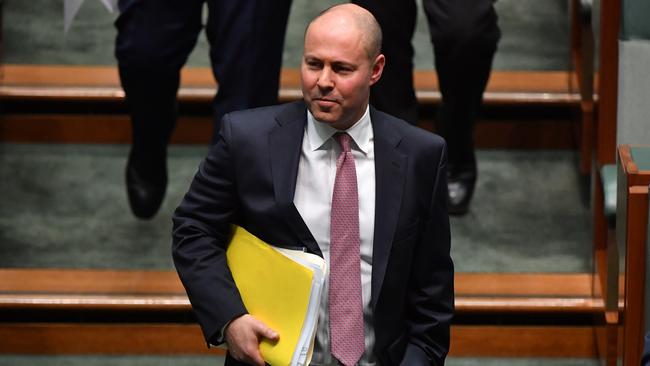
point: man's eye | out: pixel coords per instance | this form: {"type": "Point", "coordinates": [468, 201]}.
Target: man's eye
{"type": "Point", "coordinates": [314, 65]}
{"type": "Point", "coordinates": [342, 69]}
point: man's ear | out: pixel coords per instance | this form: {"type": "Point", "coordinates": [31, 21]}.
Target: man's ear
{"type": "Point", "coordinates": [377, 68]}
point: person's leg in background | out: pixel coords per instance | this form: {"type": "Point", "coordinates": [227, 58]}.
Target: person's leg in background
{"type": "Point", "coordinates": [246, 44]}
{"type": "Point", "coordinates": [465, 34]}
{"type": "Point", "coordinates": [154, 40]}
{"type": "Point", "coordinates": [394, 92]}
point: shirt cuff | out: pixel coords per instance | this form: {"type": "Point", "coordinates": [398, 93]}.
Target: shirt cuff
{"type": "Point", "coordinates": [218, 340]}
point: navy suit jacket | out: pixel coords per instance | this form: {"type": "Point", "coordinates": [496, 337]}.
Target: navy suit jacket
{"type": "Point", "coordinates": [249, 178]}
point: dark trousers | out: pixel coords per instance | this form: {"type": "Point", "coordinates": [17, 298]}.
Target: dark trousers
{"type": "Point", "coordinates": [464, 34]}
{"type": "Point", "coordinates": [155, 38]}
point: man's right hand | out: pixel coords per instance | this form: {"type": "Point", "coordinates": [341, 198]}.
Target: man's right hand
{"type": "Point", "coordinates": [243, 336]}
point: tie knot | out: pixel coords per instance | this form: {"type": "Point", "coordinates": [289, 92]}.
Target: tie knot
{"type": "Point", "coordinates": [343, 140]}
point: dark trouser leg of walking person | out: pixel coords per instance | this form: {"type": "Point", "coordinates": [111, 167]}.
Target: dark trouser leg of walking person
{"type": "Point", "coordinates": [246, 44]}
{"type": "Point", "coordinates": [153, 42]}
{"type": "Point", "coordinates": [394, 92]}
{"type": "Point", "coordinates": [153, 116]}
{"type": "Point", "coordinates": [465, 36]}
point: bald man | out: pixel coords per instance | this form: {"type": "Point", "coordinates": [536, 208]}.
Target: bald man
{"type": "Point", "coordinates": [342, 180]}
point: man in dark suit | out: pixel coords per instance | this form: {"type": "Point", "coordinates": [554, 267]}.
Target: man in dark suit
{"type": "Point", "coordinates": [280, 172]}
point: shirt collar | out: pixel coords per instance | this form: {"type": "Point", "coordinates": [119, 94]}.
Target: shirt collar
{"type": "Point", "coordinates": [319, 133]}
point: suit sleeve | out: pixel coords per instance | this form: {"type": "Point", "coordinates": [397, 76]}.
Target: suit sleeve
{"type": "Point", "coordinates": [201, 232]}
{"type": "Point", "coordinates": [431, 292]}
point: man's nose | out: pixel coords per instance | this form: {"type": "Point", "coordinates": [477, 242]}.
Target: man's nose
{"type": "Point", "coordinates": [325, 79]}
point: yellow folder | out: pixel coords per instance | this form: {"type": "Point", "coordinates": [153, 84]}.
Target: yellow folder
{"type": "Point", "coordinates": [281, 288]}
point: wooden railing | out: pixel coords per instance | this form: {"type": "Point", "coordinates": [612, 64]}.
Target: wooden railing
{"type": "Point", "coordinates": [632, 238]}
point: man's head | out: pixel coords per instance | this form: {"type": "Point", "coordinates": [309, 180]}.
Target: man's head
{"type": "Point", "coordinates": [341, 60]}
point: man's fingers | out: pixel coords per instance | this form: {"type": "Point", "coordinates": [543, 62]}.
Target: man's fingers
{"type": "Point", "coordinates": [252, 356]}
{"type": "Point", "coordinates": [243, 336]}
{"type": "Point", "coordinates": [266, 332]}
{"type": "Point", "coordinates": [261, 331]}
{"type": "Point", "coordinates": [256, 358]}
{"type": "Point", "coordinates": [249, 354]}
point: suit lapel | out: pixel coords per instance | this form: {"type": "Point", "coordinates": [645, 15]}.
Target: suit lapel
{"type": "Point", "coordinates": [285, 143]}
{"type": "Point", "coordinates": [390, 167]}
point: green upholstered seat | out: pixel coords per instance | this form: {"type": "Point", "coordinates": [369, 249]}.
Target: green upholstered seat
{"type": "Point", "coordinates": [641, 156]}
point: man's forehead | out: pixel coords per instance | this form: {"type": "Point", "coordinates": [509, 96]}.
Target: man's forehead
{"type": "Point", "coordinates": [321, 37]}
{"type": "Point", "coordinates": [331, 53]}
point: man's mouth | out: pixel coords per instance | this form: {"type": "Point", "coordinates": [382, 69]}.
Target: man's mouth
{"type": "Point", "coordinates": [325, 102]}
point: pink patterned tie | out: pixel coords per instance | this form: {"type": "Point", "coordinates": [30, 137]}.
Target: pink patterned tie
{"type": "Point", "coordinates": [345, 306]}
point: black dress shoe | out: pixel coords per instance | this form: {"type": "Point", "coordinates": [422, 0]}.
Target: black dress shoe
{"type": "Point", "coordinates": [460, 187]}
{"type": "Point", "coordinates": [145, 194]}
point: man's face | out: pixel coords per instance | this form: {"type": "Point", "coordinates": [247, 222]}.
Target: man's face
{"type": "Point", "coordinates": [336, 72]}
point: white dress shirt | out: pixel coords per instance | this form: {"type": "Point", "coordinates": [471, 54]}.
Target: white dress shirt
{"type": "Point", "coordinates": [313, 199]}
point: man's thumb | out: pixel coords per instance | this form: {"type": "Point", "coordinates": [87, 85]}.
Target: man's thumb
{"type": "Point", "coordinates": [267, 332]}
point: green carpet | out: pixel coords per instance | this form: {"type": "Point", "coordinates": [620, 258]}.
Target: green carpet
{"type": "Point", "coordinates": [535, 35]}
{"type": "Point", "coordinates": [65, 206]}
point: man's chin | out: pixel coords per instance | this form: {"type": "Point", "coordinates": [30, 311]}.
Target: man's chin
{"type": "Point", "coordinates": [325, 117]}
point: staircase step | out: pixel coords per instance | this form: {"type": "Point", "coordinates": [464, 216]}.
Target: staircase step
{"type": "Point", "coordinates": [48, 311]}
{"type": "Point", "coordinates": [101, 83]}
{"type": "Point", "coordinates": [85, 104]}
{"type": "Point", "coordinates": [124, 290]}
{"type": "Point", "coordinates": [186, 339]}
